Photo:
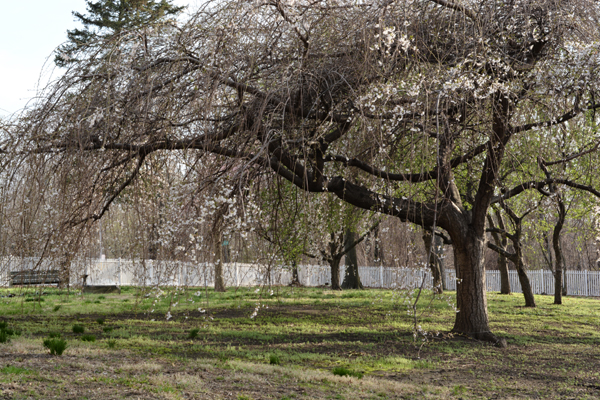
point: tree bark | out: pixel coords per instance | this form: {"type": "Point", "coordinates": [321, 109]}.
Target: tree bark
{"type": "Point", "coordinates": [472, 316]}
{"type": "Point", "coordinates": [525, 283]}
{"type": "Point", "coordinates": [433, 261]}
{"type": "Point", "coordinates": [502, 262]}
{"type": "Point", "coordinates": [334, 263]}
{"type": "Point", "coordinates": [558, 256]}
{"type": "Point", "coordinates": [295, 277]}
{"type": "Point", "coordinates": [351, 278]}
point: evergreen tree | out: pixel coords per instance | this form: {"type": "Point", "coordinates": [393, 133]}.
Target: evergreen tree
{"type": "Point", "coordinates": [107, 18]}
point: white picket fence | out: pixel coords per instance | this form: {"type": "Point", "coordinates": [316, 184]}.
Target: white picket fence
{"type": "Point", "coordinates": [152, 273]}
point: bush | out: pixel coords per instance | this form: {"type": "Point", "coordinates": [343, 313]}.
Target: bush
{"type": "Point", "coordinates": [4, 336]}
{"type": "Point", "coordinates": [88, 338]}
{"type": "Point", "coordinates": [100, 321]}
{"type": "Point", "coordinates": [111, 343]}
{"type": "Point", "coordinates": [274, 359]}
{"type": "Point", "coordinates": [343, 371]}
{"type": "Point", "coordinates": [78, 329]}
{"type": "Point", "coordinates": [107, 329]}
{"type": "Point", "coordinates": [193, 333]}
{"type": "Point", "coordinates": [56, 346]}
{"type": "Point", "coordinates": [101, 297]}
{"type": "Point", "coordinates": [3, 324]}
{"type": "Point", "coordinates": [54, 335]}
{"type": "Point", "coordinates": [56, 308]}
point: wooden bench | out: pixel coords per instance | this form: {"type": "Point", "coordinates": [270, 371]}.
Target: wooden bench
{"type": "Point", "coordinates": [31, 277]}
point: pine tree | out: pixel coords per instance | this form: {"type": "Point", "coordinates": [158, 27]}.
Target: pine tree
{"type": "Point", "coordinates": [107, 18]}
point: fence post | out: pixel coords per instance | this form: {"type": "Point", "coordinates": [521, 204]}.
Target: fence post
{"type": "Point", "coordinates": [381, 276]}
{"type": "Point", "coordinates": [119, 270]}
{"type": "Point", "coordinates": [585, 277]}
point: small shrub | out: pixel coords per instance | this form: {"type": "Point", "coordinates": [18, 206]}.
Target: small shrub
{"type": "Point", "coordinates": [96, 301]}
{"type": "Point", "coordinates": [88, 338]}
{"type": "Point", "coordinates": [343, 371]}
{"type": "Point", "coordinates": [4, 336]}
{"type": "Point", "coordinates": [101, 297]}
{"type": "Point", "coordinates": [56, 346]}
{"type": "Point", "coordinates": [56, 308]}
{"type": "Point", "coordinates": [193, 333]}
{"type": "Point", "coordinates": [78, 329]}
{"type": "Point", "coordinates": [30, 299]}
{"type": "Point", "coordinates": [3, 324]}
{"type": "Point", "coordinates": [274, 359]}
{"type": "Point", "coordinates": [111, 343]}
{"type": "Point", "coordinates": [100, 321]}
{"type": "Point", "coordinates": [54, 335]}
{"type": "Point", "coordinates": [107, 329]}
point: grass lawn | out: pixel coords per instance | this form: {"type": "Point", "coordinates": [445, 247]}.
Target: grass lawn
{"type": "Point", "coordinates": [197, 344]}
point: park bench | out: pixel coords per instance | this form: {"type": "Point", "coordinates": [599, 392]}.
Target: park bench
{"type": "Point", "coordinates": [31, 277]}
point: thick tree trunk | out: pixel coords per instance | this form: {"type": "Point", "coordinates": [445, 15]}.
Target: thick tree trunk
{"type": "Point", "coordinates": [219, 281]}
{"type": "Point", "coordinates": [472, 316]}
{"type": "Point", "coordinates": [433, 262]}
{"type": "Point", "coordinates": [334, 263]}
{"type": "Point", "coordinates": [351, 278]}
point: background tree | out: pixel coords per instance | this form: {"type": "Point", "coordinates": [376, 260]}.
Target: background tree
{"type": "Point", "coordinates": [107, 19]}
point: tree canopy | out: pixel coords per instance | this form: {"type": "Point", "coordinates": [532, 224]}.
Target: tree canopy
{"type": "Point", "coordinates": [404, 108]}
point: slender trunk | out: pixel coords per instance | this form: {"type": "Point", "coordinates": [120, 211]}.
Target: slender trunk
{"type": "Point", "coordinates": [377, 251]}
{"type": "Point", "coordinates": [502, 262]}
{"type": "Point", "coordinates": [504, 277]}
{"type": "Point", "coordinates": [295, 278]}
{"type": "Point", "coordinates": [219, 281]}
{"type": "Point", "coordinates": [525, 283]}
{"type": "Point", "coordinates": [351, 278]}
{"type": "Point", "coordinates": [335, 273]}
{"type": "Point", "coordinates": [433, 262]}
{"type": "Point", "coordinates": [520, 265]}
{"type": "Point", "coordinates": [558, 256]}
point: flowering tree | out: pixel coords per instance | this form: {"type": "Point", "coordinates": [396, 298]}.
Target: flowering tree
{"type": "Point", "coordinates": [386, 104]}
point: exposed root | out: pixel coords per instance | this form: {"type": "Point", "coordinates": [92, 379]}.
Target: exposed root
{"type": "Point", "coordinates": [485, 337]}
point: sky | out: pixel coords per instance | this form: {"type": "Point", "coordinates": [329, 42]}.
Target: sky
{"type": "Point", "coordinates": [30, 31]}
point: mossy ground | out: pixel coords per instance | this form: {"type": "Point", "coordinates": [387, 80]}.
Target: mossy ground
{"type": "Point", "coordinates": [552, 350]}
